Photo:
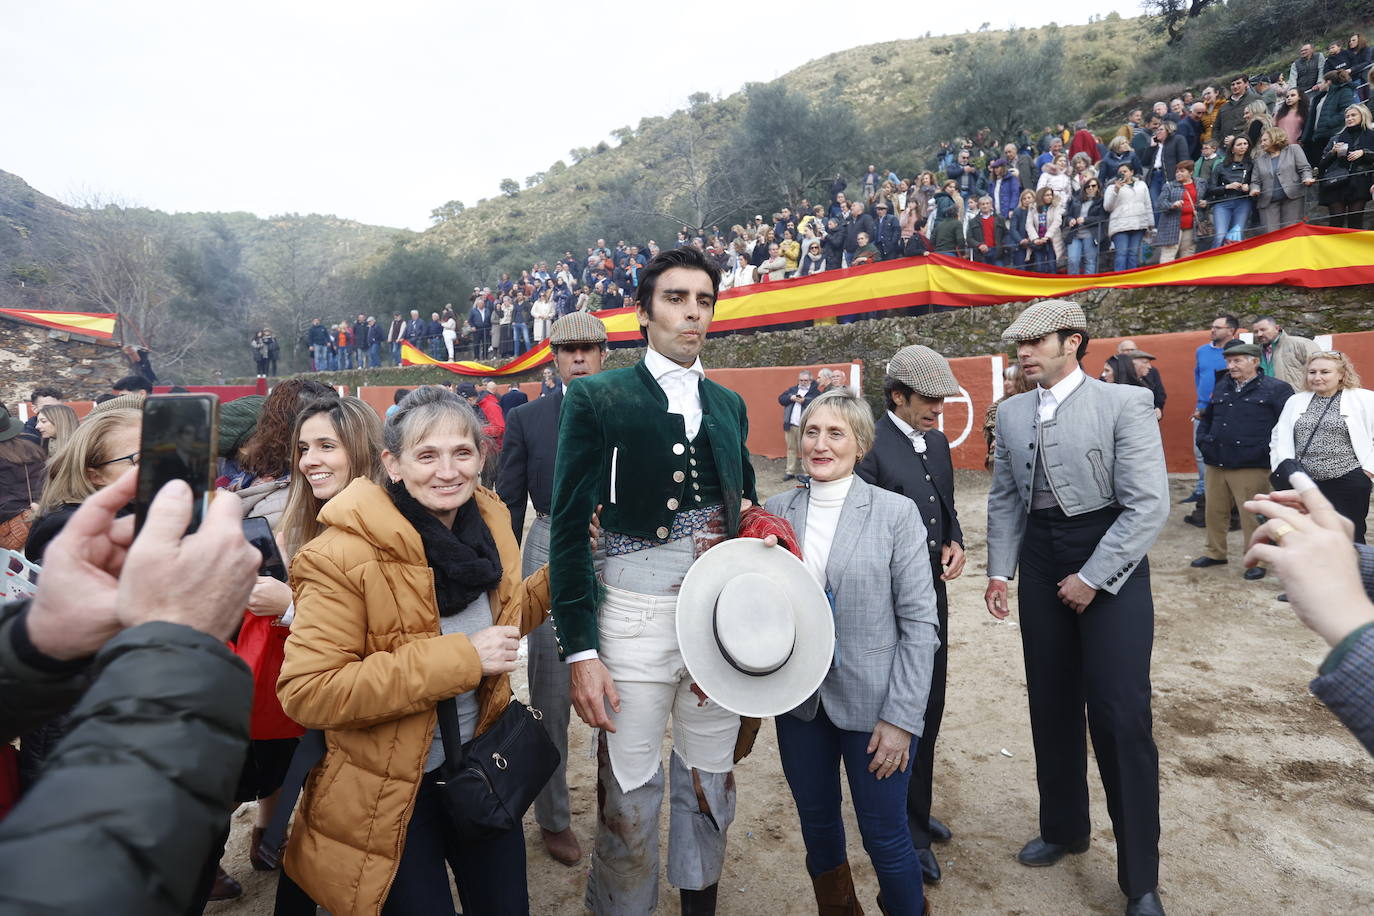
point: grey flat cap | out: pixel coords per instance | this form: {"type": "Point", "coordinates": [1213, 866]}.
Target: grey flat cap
{"type": "Point", "coordinates": [1139, 354]}
{"type": "Point", "coordinates": [1244, 349]}
{"type": "Point", "coordinates": [577, 327]}
{"type": "Point", "coordinates": [1045, 318]}
{"type": "Point", "coordinates": [923, 371]}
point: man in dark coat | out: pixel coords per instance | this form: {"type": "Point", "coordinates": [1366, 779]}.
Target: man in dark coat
{"type": "Point", "coordinates": [578, 343]}
{"type": "Point", "coordinates": [479, 319]}
{"type": "Point", "coordinates": [1143, 363]}
{"type": "Point", "coordinates": [858, 222]}
{"type": "Point", "coordinates": [161, 709]}
{"type": "Point", "coordinates": [794, 401]}
{"type": "Point", "coordinates": [889, 233]}
{"type": "Point", "coordinates": [910, 456]}
{"type": "Point", "coordinates": [360, 342]}
{"type": "Point", "coordinates": [512, 399]}
{"type": "Point", "coordinates": [1233, 435]}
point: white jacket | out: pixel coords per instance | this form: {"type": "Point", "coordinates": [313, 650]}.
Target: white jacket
{"type": "Point", "coordinates": [1129, 207]}
{"type": "Point", "coordinates": [1356, 408]}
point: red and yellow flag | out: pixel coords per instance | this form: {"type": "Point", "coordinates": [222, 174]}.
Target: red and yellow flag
{"type": "Point", "coordinates": [1300, 255]}
{"type": "Point", "coordinates": [92, 324]}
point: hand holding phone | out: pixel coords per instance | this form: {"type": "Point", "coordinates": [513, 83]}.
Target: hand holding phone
{"type": "Point", "coordinates": [179, 442]}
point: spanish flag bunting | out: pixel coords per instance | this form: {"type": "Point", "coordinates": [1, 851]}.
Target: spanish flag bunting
{"type": "Point", "coordinates": [91, 324]}
{"type": "Point", "coordinates": [1301, 255]}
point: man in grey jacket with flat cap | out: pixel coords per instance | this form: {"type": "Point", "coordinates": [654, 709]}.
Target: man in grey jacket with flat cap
{"type": "Point", "coordinates": [1079, 494]}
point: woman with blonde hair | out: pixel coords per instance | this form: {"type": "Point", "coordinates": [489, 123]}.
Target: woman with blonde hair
{"type": "Point", "coordinates": [55, 424]}
{"type": "Point", "coordinates": [1329, 428]}
{"type": "Point", "coordinates": [1257, 120]}
{"type": "Point", "coordinates": [1346, 164]}
{"type": "Point", "coordinates": [1279, 180]}
{"type": "Point", "coordinates": [1043, 229]}
{"type": "Point", "coordinates": [103, 447]}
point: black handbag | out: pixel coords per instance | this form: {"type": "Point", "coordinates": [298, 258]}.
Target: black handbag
{"type": "Point", "coordinates": [489, 783]}
{"type": "Point", "coordinates": [1279, 478]}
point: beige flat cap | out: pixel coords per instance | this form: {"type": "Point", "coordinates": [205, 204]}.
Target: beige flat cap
{"type": "Point", "coordinates": [1045, 318]}
{"type": "Point", "coordinates": [577, 327]}
{"type": "Point", "coordinates": [923, 371]}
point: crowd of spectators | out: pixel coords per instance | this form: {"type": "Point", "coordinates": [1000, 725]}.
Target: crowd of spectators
{"type": "Point", "coordinates": [1188, 174]}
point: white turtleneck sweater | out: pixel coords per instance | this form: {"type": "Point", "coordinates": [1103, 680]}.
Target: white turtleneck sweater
{"type": "Point", "coordinates": [822, 516]}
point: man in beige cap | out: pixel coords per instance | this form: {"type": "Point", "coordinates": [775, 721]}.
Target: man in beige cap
{"type": "Point", "coordinates": [578, 342]}
{"type": "Point", "coordinates": [1079, 494]}
{"type": "Point", "coordinates": [910, 456]}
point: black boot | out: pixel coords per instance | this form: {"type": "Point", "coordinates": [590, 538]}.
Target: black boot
{"type": "Point", "coordinates": [698, 903]}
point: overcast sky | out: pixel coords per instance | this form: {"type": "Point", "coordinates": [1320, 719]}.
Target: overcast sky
{"type": "Point", "coordinates": [381, 112]}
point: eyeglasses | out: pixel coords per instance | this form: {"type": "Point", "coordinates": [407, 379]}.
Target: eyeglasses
{"type": "Point", "coordinates": [132, 459]}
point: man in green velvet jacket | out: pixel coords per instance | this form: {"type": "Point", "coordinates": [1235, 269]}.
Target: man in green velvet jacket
{"type": "Point", "coordinates": [661, 449]}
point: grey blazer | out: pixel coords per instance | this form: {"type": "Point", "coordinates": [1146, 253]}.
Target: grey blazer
{"type": "Point", "coordinates": [886, 631]}
{"type": "Point", "coordinates": [1293, 171]}
{"type": "Point", "coordinates": [1101, 449]}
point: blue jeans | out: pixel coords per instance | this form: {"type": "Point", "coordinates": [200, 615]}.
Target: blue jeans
{"type": "Point", "coordinates": [1082, 253]}
{"type": "Point", "coordinates": [490, 874]}
{"type": "Point", "coordinates": [321, 357]}
{"type": "Point", "coordinates": [396, 353]}
{"type": "Point", "coordinates": [1228, 220]}
{"type": "Point", "coordinates": [374, 355]}
{"type": "Point", "coordinates": [522, 337]}
{"type": "Point", "coordinates": [1127, 244]}
{"type": "Point", "coordinates": [811, 753]}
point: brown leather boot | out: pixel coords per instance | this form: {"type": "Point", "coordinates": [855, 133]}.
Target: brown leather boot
{"type": "Point", "coordinates": [225, 887]}
{"type": "Point", "coordinates": [563, 845]}
{"type": "Point", "coordinates": [835, 894]}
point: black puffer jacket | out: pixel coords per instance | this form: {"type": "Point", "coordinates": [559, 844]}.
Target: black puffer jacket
{"type": "Point", "coordinates": [1236, 425]}
{"type": "Point", "coordinates": [124, 816]}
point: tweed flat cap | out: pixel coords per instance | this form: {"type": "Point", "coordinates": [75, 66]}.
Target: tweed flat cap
{"type": "Point", "coordinates": [1045, 318]}
{"type": "Point", "coordinates": [1244, 349]}
{"type": "Point", "coordinates": [577, 327]}
{"type": "Point", "coordinates": [923, 371]}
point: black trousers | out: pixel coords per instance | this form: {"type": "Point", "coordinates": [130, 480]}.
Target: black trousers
{"type": "Point", "coordinates": [918, 790]}
{"type": "Point", "coordinates": [1100, 660]}
{"type": "Point", "coordinates": [1349, 493]}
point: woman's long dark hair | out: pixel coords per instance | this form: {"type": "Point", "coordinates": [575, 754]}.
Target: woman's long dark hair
{"type": "Point", "coordinates": [1123, 370]}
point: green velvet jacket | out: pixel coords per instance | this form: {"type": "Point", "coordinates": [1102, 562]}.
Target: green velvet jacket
{"type": "Point", "coordinates": [620, 448]}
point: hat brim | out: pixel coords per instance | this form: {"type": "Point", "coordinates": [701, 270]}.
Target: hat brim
{"type": "Point", "coordinates": [12, 428]}
{"type": "Point", "coordinates": [801, 675]}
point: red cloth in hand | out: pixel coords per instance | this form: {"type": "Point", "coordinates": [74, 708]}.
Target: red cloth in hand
{"type": "Point", "coordinates": [757, 523]}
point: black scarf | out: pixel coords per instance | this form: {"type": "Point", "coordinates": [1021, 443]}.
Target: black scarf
{"type": "Point", "coordinates": [464, 558]}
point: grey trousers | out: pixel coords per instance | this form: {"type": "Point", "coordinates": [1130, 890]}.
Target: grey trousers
{"type": "Point", "coordinates": [701, 808]}
{"type": "Point", "coordinates": [550, 692]}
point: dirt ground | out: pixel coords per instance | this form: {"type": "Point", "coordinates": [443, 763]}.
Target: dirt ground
{"type": "Point", "coordinates": [1267, 803]}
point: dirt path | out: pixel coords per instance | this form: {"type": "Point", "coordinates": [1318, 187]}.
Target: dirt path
{"type": "Point", "coordinates": [1267, 802]}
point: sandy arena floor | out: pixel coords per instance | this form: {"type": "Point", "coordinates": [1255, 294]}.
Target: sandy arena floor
{"type": "Point", "coordinates": [1267, 802]}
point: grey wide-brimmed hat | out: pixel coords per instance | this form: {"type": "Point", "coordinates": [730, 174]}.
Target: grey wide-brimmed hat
{"type": "Point", "coordinates": [1046, 317]}
{"type": "Point", "coordinates": [1243, 349]}
{"type": "Point", "coordinates": [754, 628]}
{"type": "Point", "coordinates": [923, 371]}
{"type": "Point", "coordinates": [9, 426]}
{"type": "Point", "coordinates": [575, 328]}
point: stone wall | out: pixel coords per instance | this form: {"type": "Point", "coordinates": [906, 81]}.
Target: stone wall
{"type": "Point", "coordinates": [30, 355]}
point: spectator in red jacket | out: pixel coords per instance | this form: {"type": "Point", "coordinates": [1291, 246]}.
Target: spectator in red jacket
{"type": "Point", "coordinates": [493, 425]}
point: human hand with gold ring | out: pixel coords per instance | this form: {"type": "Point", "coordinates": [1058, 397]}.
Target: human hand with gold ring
{"type": "Point", "coordinates": [1313, 554]}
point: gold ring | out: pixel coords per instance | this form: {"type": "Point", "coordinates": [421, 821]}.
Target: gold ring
{"type": "Point", "coordinates": [1281, 530]}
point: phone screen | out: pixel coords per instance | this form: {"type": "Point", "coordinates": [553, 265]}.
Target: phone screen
{"type": "Point", "coordinates": [258, 532]}
{"type": "Point", "coordinates": [180, 441]}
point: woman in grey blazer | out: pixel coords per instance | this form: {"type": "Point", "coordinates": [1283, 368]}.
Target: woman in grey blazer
{"type": "Point", "coordinates": [1280, 179]}
{"type": "Point", "coordinates": [866, 547]}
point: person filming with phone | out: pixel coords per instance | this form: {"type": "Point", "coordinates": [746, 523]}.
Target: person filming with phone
{"type": "Point", "coordinates": [128, 634]}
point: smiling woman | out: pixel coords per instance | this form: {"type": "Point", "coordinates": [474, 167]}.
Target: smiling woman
{"type": "Point", "coordinates": [411, 596]}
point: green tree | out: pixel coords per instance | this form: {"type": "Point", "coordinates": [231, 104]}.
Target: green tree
{"type": "Point", "coordinates": [1019, 84]}
{"type": "Point", "coordinates": [421, 277]}
{"type": "Point", "coordinates": [786, 146]}
{"type": "Point", "coordinates": [510, 187]}
{"type": "Point", "coordinates": [446, 212]}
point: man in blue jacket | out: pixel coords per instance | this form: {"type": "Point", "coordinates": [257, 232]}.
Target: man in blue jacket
{"type": "Point", "coordinates": [318, 338]}
{"type": "Point", "coordinates": [889, 234]}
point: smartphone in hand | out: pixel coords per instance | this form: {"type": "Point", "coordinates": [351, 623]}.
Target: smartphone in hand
{"type": "Point", "coordinates": [180, 442]}
{"type": "Point", "coordinates": [258, 532]}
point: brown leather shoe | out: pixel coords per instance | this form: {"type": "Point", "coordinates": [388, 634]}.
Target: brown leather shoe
{"type": "Point", "coordinates": [563, 846]}
{"type": "Point", "coordinates": [835, 895]}
{"type": "Point", "coordinates": [259, 856]}
{"type": "Point", "coordinates": [225, 887]}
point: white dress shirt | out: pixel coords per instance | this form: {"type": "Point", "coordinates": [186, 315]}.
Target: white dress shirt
{"type": "Point", "coordinates": [681, 385]}
{"type": "Point", "coordinates": [1050, 399]}
{"type": "Point", "coordinates": [917, 439]}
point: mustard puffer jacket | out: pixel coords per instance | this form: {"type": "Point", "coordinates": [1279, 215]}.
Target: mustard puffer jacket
{"type": "Point", "coordinates": [366, 663]}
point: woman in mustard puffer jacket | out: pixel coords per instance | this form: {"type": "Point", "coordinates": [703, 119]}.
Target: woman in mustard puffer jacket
{"type": "Point", "coordinates": [412, 595]}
